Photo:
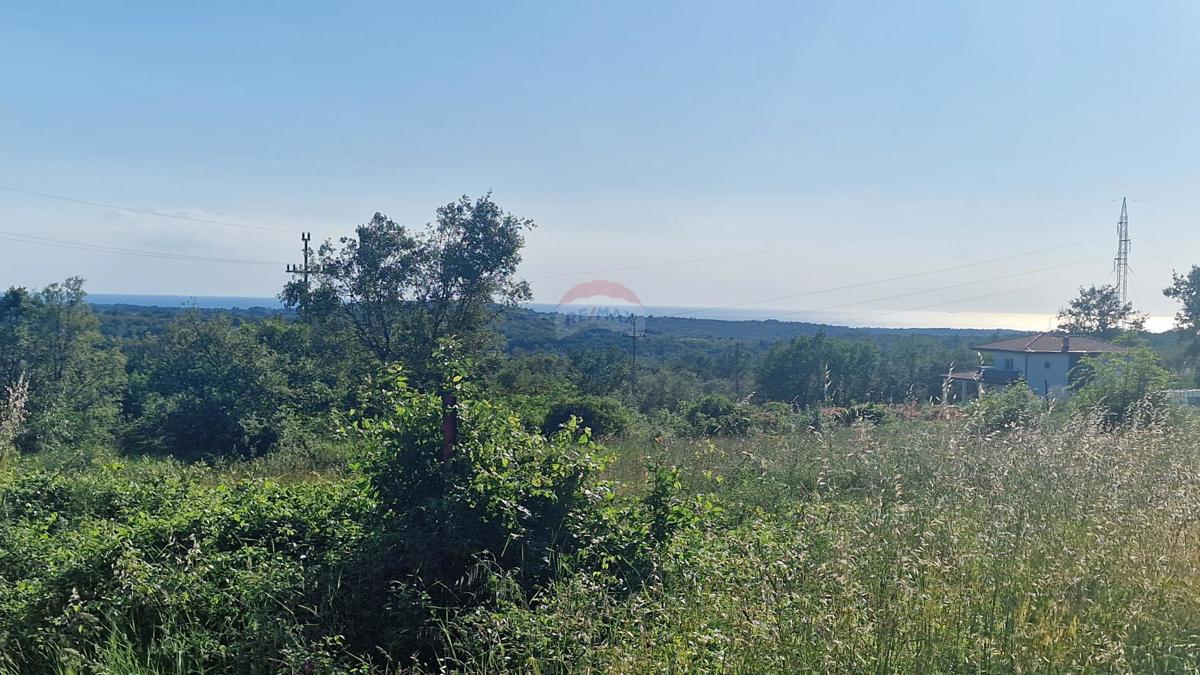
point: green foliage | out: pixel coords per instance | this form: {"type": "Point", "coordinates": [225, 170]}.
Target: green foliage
{"type": "Point", "coordinates": [206, 389]}
{"type": "Point", "coordinates": [75, 378]}
{"type": "Point", "coordinates": [13, 400]}
{"type": "Point", "coordinates": [807, 371]}
{"type": "Point", "coordinates": [1099, 312]}
{"type": "Point", "coordinates": [508, 506]}
{"type": "Point", "coordinates": [400, 292]}
{"type": "Point", "coordinates": [1123, 389]}
{"type": "Point", "coordinates": [716, 415]}
{"type": "Point", "coordinates": [602, 415]}
{"type": "Point", "coordinates": [1007, 408]}
{"type": "Point", "coordinates": [1185, 288]}
{"type": "Point", "coordinates": [221, 576]}
{"type": "Point", "coordinates": [540, 374]}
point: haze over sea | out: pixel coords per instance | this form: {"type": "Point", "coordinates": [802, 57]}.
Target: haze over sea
{"type": "Point", "coordinates": [914, 319]}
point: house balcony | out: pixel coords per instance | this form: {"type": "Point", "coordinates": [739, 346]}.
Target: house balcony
{"type": "Point", "coordinates": [991, 375]}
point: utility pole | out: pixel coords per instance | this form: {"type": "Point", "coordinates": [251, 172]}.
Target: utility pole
{"type": "Point", "coordinates": [308, 267]}
{"type": "Point", "coordinates": [634, 335]}
{"type": "Point", "coordinates": [1121, 262]}
{"type": "Point", "coordinates": [737, 368]}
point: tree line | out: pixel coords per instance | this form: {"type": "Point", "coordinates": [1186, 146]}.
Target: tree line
{"type": "Point", "coordinates": [238, 384]}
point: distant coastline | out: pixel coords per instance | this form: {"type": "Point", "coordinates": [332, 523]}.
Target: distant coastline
{"type": "Point", "coordinates": [175, 301]}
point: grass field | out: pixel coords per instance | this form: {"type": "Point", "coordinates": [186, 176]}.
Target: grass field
{"type": "Point", "coordinates": [903, 549]}
{"type": "Point", "coordinates": [910, 547]}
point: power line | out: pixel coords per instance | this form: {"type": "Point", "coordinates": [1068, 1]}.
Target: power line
{"type": "Point", "coordinates": [977, 297]}
{"type": "Point", "coordinates": [117, 250]}
{"type": "Point", "coordinates": [148, 212]}
{"type": "Point", "coordinates": [902, 277]}
{"type": "Point", "coordinates": [780, 249]}
{"type": "Point", "coordinates": [963, 284]}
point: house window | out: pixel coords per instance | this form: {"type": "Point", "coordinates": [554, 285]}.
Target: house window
{"type": "Point", "coordinates": [1008, 364]}
{"type": "Point", "coordinates": [1047, 364]}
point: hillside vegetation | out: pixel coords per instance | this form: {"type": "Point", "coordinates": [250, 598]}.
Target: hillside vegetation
{"type": "Point", "coordinates": [918, 547]}
{"type": "Point", "coordinates": [407, 473]}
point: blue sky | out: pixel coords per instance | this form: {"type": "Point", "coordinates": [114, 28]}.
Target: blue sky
{"type": "Point", "coordinates": [633, 133]}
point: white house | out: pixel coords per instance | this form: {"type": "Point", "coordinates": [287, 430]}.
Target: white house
{"type": "Point", "coordinates": [1043, 361]}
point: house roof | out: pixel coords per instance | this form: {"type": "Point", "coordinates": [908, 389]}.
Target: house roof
{"type": "Point", "coordinates": [1050, 342]}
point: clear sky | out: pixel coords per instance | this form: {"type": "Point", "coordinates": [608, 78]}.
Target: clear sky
{"type": "Point", "coordinates": [811, 136]}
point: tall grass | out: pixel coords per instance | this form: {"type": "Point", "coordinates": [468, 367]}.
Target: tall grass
{"type": "Point", "coordinates": [905, 549]}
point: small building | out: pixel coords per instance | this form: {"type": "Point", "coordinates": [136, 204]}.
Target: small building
{"type": "Point", "coordinates": [1045, 361]}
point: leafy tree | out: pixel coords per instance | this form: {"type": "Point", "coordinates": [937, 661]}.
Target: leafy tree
{"type": "Point", "coordinates": [322, 375]}
{"type": "Point", "coordinates": [602, 372]}
{"type": "Point", "coordinates": [206, 389]}
{"type": "Point", "coordinates": [75, 379]}
{"type": "Point", "coordinates": [1122, 388]}
{"type": "Point", "coordinates": [1098, 311]}
{"type": "Point", "coordinates": [538, 374]}
{"type": "Point", "coordinates": [1186, 289]}
{"type": "Point", "coordinates": [810, 370]}
{"type": "Point", "coordinates": [401, 292]}
{"type": "Point", "coordinates": [666, 388]}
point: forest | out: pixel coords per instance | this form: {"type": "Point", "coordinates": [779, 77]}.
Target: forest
{"type": "Point", "coordinates": [406, 471]}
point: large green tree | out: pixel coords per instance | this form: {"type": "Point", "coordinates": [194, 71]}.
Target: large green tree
{"type": "Point", "coordinates": [1098, 311]}
{"type": "Point", "coordinates": [52, 339]}
{"type": "Point", "coordinates": [401, 292]}
{"type": "Point", "coordinates": [1186, 289]}
{"type": "Point", "coordinates": [808, 371]}
{"type": "Point", "coordinates": [204, 389]}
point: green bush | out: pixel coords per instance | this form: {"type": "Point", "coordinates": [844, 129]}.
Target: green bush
{"type": "Point", "coordinates": [206, 389]}
{"type": "Point", "coordinates": [507, 504]}
{"type": "Point", "coordinates": [213, 575]}
{"type": "Point", "coordinates": [1122, 389]}
{"type": "Point", "coordinates": [603, 415]}
{"type": "Point", "coordinates": [1013, 406]}
{"type": "Point", "coordinates": [716, 415]}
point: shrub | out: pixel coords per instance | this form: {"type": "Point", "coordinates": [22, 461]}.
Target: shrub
{"type": "Point", "coordinates": [1013, 406]}
{"type": "Point", "coordinates": [774, 417]}
{"type": "Point", "coordinates": [716, 415]}
{"type": "Point", "coordinates": [193, 572]}
{"type": "Point", "coordinates": [872, 413]}
{"type": "Point", "coordinates": [206, 389]}
{"type": "Point", "coordinates": [508, 504]}
{"type": "Point", "coordinates": [1122, 389]}
{"type": "Point", "coordinates": [603, 415]}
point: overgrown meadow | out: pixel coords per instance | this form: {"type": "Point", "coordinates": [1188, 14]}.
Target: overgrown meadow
{"type": "Point", "coordinates": [393, 478]}
{"type": "Point", "coordinates": [922, 546]}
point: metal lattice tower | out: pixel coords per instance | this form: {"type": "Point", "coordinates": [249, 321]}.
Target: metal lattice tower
{"type": "Point", "coordinates": [1121, 262]}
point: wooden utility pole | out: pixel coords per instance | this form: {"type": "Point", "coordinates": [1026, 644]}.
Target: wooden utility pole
{"type": "Point", "coordinates": [737, 368]}
{"type": "Point", "coordinates": [307, 268]}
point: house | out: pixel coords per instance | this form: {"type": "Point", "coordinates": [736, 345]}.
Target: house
{"type": "Point", "coordinates": [1044, 361]}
